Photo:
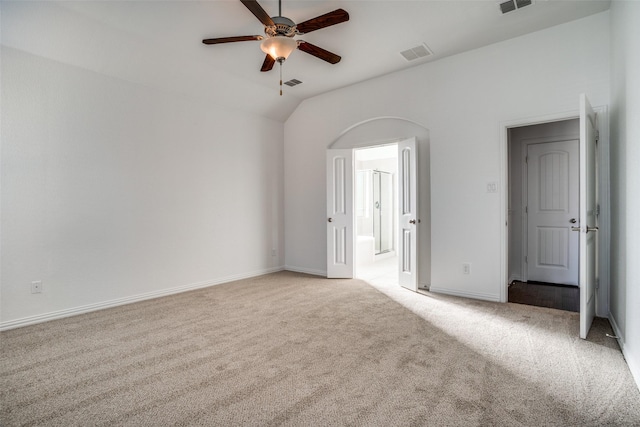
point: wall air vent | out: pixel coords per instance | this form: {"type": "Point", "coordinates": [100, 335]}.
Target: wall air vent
{"type": "Point", "coordinates": [418, 52]}
{"type": "Point", "coordinates": [293, 82]}
{"type": "Point", "coordinates": [511, 5]}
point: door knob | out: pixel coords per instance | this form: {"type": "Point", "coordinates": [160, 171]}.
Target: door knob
{"type": "Point", "coordinates": [412, 221]}
{"type": "Point", "coordinates": [572, 220]}
{"type": "Point", "coordinates": [576, 229]}
{"type": "Point", "coordinates": [591, 229]}
{"type": "Point", "coordinates": [330, 220]}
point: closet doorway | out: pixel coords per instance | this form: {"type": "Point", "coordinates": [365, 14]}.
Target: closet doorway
{"type": "Point", "coordinates": [543, 208]}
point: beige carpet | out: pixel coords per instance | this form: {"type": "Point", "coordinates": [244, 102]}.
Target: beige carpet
{"type": "Point", "coordinates": [292, 349]}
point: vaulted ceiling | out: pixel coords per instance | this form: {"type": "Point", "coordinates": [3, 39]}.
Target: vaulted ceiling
{"type": "Point", "coordinates": [159, 43]}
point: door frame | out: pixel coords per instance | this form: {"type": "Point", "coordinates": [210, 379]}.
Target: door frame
{"type": "Point", "coordinates": [603, 183]}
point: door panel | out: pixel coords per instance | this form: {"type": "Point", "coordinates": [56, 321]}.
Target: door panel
{"type": "Point", "coordinates": [340, 214]}
{"type": "Point", "coordinates": [408, 213]}
{"type": "Point", "coordinates": [552, 193]}
{"type": "Point", "coordinates": [588, 227]}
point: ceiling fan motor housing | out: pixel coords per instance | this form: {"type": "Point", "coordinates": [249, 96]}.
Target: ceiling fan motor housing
{"type": "Point", "coordinates": [283, 27]}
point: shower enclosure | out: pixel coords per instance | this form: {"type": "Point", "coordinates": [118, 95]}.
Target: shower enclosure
{"type": "Point", "coordinates": [375, 208]}
{"type": "Point", "coordinates": [382, 211]}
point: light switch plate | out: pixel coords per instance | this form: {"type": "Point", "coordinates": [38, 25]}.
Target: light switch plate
{"type": "Point", "coordinates": [492, 187]}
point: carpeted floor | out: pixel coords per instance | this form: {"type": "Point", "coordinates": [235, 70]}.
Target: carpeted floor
{"type": "Point", "coordinates": [293, 349]}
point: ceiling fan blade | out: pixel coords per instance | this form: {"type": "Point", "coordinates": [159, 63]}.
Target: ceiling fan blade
{"type": "Point", "coordinates": [231, 39]}
{"type": "Point", "coordinates": [258, 11]}
{"type": "Point", "coordinates": [328, 19]}
{"type": "Point", "coordinates": [267, 65]}
{"type": "Point", "coordinates": [319, 52]}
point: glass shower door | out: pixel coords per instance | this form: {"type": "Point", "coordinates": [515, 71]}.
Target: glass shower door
{"type": "Point", "coordinates": [383, 211]}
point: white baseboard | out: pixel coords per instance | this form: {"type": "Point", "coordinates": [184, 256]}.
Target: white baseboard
{"type": "Point", "coordinates": [305, 270]}
{"type": "Point", "coordinates": [634, 365]}
{"type": "Point", "coordinates": [515, 278]}
{"type": "Point", "coordinates": [424, 286]}
{"type": "Point", "coordinates": [40, 318]}
{"type": "Point", "coordinates": [465, 294]}
{"type": "Point", "coordinates": [385, 255]}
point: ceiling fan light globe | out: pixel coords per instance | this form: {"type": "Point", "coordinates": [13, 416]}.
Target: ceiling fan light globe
{"type": "Point", "coordinates": [278, 47]}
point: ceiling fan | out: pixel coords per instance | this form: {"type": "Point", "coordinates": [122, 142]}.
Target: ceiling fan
{"type": "Point", "coordinates": [278, 41]}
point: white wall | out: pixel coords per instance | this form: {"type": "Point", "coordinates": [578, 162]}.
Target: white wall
{"type": "Point", "coordinates": [462, 100]}
{"type": "Point", "coordinates": [113, 191]}
{"type": "Point", "coordinates": [625, 179]}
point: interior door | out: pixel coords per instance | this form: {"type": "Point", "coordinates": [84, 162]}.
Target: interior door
{"type": "Point", "coordinates": [340, 213]}
{"type": "Point", "coordinates": [587, 228]}
{"type": "Point", "coordinates": [552, 208]}
{"type": "Point", "coordinates": [408, 214]}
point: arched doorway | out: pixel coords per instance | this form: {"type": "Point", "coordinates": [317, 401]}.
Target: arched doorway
{"type": "Point", "coordinates": [413, 235]}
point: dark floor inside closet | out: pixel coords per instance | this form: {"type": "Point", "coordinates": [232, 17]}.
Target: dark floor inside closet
{"type": "Point", "coordinates": [561, 297]}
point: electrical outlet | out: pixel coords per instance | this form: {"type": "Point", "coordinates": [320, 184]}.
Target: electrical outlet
{"type": "Point", "coordinates": [492, 187]}
{"type": "Point", "coordinates": [466, 268]}
{"type": "Point", "coordinates": [36, 287]}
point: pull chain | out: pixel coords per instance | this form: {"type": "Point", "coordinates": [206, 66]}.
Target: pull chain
{"type": "Point", "coordinates": [280, 78]}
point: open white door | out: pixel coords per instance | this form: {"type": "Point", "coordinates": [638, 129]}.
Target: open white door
{"type": "Point", "coordinates": [408, 214]}
{"type": "Point", "coordinates": [587, 228]}
{"type": "Point", "coordinates": [340, 214]}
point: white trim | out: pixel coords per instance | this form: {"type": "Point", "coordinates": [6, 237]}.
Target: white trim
{"type": "Point", "coordinates": [465, 294]}
{"type": "Point", "coordinates": [515, 278]}
{"type": "Point", "coordinates": [604, 218]}
{"type": "Point", "coordinates": [373, 119]}
{"type": "Point", "coordinates": [305, 270]}
{"type": "Point", "coordinates": [633, 367]}
{"type": "Point", "coordinates": [524, 208]}
{"type": "Point", "coordinates": [54, 315]}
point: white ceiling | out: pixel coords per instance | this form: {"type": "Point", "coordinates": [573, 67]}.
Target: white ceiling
{"type": "Point", "coordinates": [158, 43]}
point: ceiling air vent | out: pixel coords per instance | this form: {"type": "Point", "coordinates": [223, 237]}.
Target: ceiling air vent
{"type": "Point", "coordinates": [418, 52]}
{"type": "Point", "coordinates": [511, 5]}
{"type": "Point", "coordinates": [293, 82]}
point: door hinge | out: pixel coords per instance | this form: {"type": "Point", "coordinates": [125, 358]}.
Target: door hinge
{"type": "Point", "coordinates": [526, 159]}
{"type": "Point", "coordinates": [597, 283]}
{"type": "Point", "coordinates": [526, 209]}
{"type": "Point", "coordinates": [526, 259]}
{"type": "Point", "coordinates": [597, 135]}
{"type": "Point", "coordinates": [598, 210]}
